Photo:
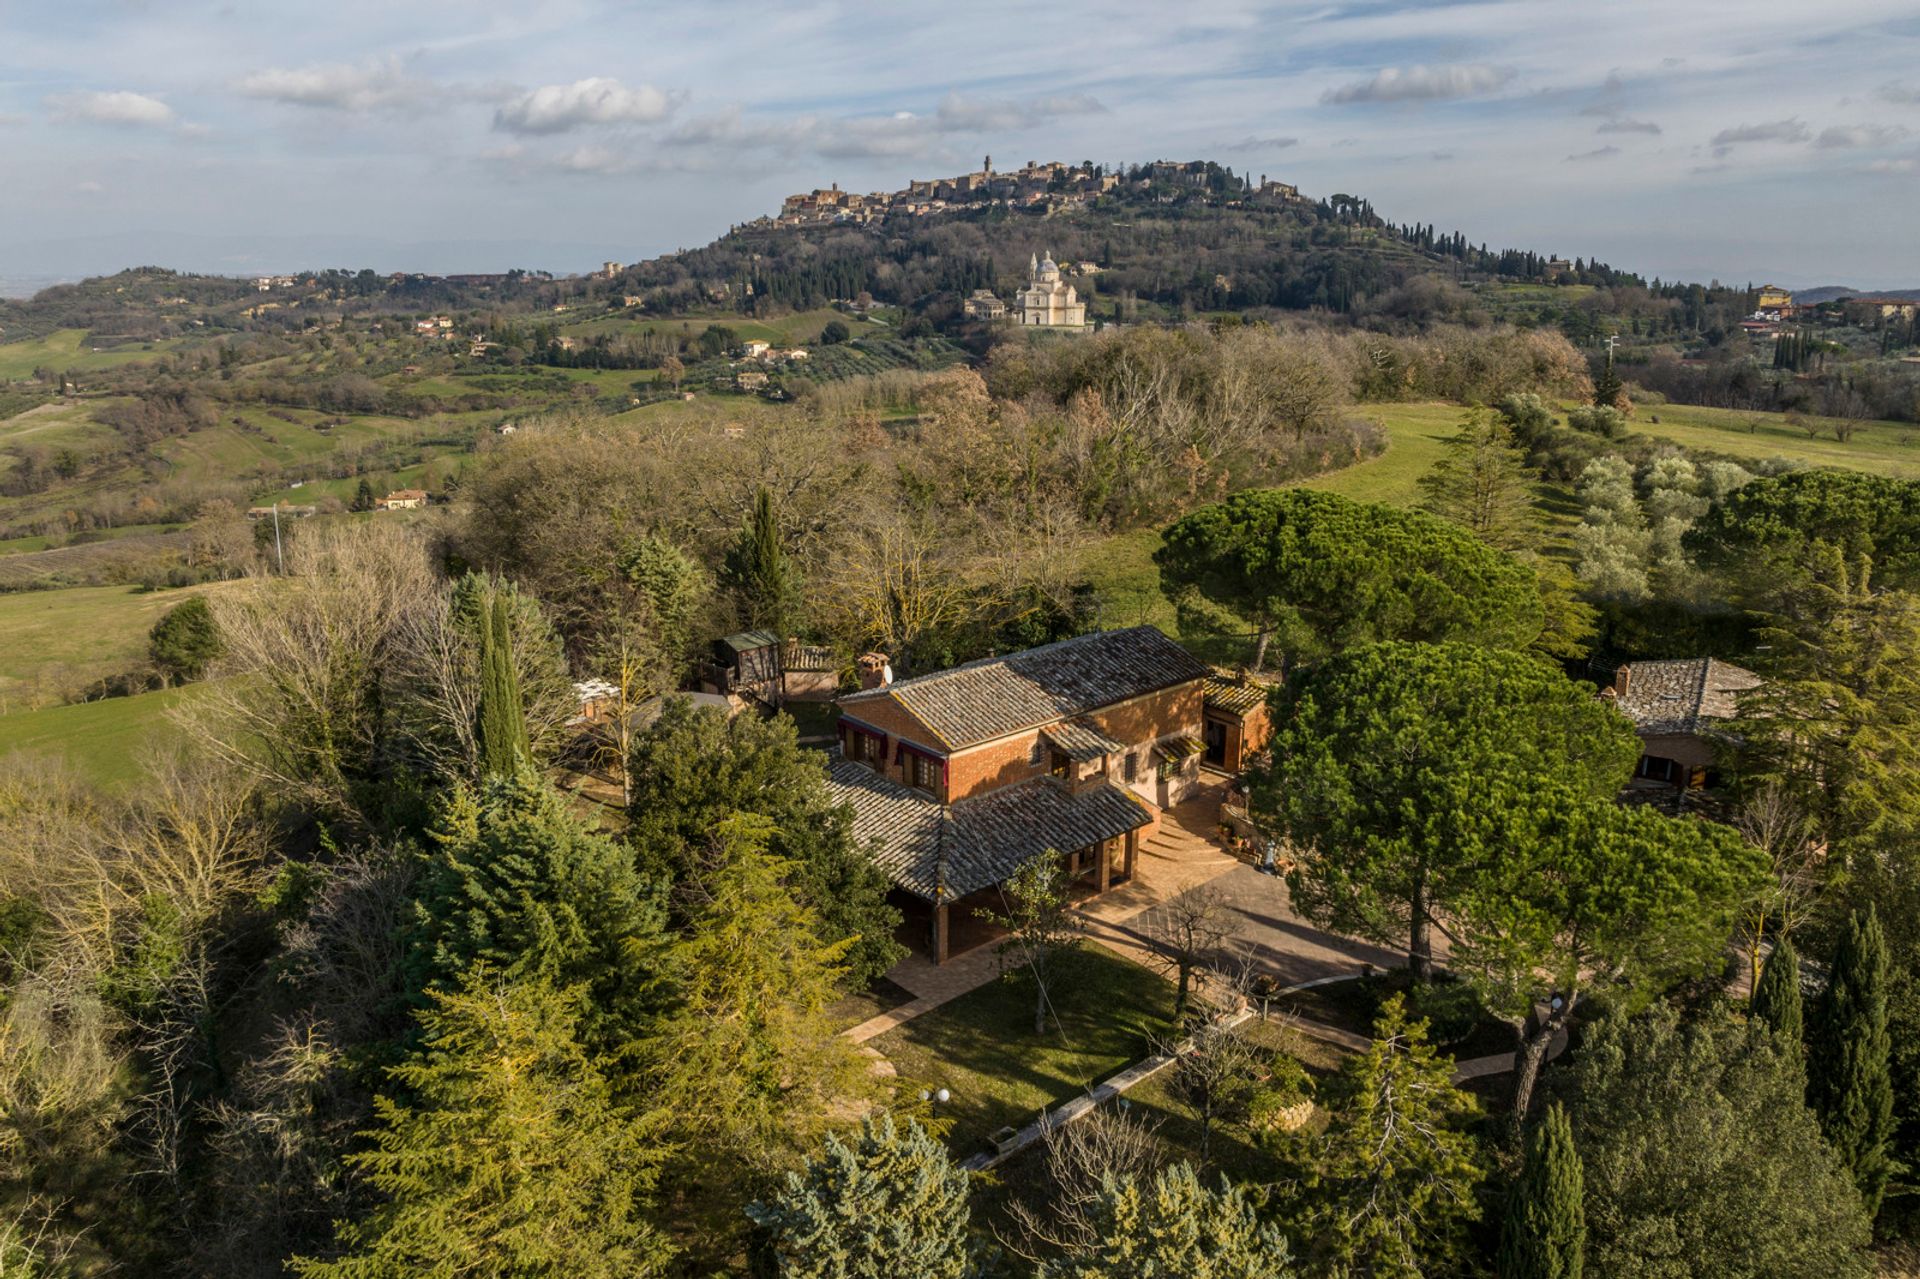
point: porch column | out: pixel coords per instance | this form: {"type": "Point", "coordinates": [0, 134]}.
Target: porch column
{"type": "Point", "coordinates": [940, 934]}
{"type": "Point", "coordinates": [1104, 851]}
{"type": "Point", "coordinates": [1133, 847]}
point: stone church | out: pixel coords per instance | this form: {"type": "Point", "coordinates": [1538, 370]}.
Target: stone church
{"type": "Point", "coordinates": [1049, 301]}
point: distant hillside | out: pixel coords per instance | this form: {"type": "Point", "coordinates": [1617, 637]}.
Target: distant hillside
{"type": "Point", "coordinates": [1834, 292]}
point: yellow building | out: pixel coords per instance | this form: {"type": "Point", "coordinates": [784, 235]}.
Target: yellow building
{"type": "Point", "coordinates": [1773, 297]}
{"type": "Point", "coordinates": [1048, 301]}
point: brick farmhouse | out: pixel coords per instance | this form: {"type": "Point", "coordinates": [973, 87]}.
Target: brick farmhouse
{"type": "Point", "coordinates": [958, 778]}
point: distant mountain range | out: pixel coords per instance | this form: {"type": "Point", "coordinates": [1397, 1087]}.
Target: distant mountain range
{"type": "Point", "coordinates": [1832, 292]}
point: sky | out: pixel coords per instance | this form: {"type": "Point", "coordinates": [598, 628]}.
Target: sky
{"type": "Point", "coordinates": [1749, 142]}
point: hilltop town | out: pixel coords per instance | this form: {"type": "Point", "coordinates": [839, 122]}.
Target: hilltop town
{"type": "Point", "coordinates": [1049, 187]}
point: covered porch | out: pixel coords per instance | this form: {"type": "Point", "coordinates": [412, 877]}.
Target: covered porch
{"type": "Point", "coordinates": [952, 927]}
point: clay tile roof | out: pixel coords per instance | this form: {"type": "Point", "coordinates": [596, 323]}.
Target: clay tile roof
{"type": "Point", "coordinates": [999, 695]}
{"type": "Point", "coordinates": [1237, 698]}
{"type": "Point", "coordinates": [1683, 696]}
{"type": "Point", "coordinates": [1080, 741]}
{"type": "Point", "coordinates": [942, 853]}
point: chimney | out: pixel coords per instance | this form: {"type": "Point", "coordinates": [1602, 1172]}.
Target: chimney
{"type": "Point", "coordinates": [875, 670]}
{"type": "Point", "coordinates": [1621, 678]}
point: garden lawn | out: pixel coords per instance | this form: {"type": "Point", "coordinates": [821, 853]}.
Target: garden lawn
{"type": "Point", "coordinates": [1231, 1147]}
{"type": "Point", "coordinates": [982, 1048]}
{"type": "Point", "coordinates": [102, 740]}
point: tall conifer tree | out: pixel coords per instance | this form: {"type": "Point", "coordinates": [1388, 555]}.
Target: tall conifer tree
{"type": "Point", "coordinates": [1849, 1081]}
{"type": "Point", "coordinates": [504, 745]}
{"type": "Point", "coordinates": [1776, 1000]}
{"type": "Point", "coordinates": [1545, 1233]}
{"type": "Point", "coordinates": [758, 572]}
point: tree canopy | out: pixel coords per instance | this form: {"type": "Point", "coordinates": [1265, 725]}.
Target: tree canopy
{"type": "Point", "coordinates": [529, 1170]}
{"type": "Point", "coordinates": [519, 885]}
{"type": "Point", "coordinates": [1700, 1156]}
{"type": "Point", "coordinates": [694, 768]}
{"type": "Point", "coordinates": [889, 1202]}
{"type": "Point", "coordinates": [1171, 1226]}
{"type": "Point", "coordinates": [1381, 768]}
{"type": "Point", "coordinates": [1763, 535]}
{"type": "Point", "coordinates": [185, 642]}
{"type": "Point", "coordinates": [1323, 573]}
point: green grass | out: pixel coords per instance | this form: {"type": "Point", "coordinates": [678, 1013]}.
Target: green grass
{"type": "Point", "coordinates": [982, 1047]}
{"type": "Point", "coordinates": [1231, 1147]}
{"type": "Point", "coordinates": [54, 642]}
{"type": "Point", "coordinates": [1416, 438]}
{"type": "Point", "coordinates": [1121, 568]}
{"type": "Point", "coordinates": [61, 424]}
{"type": "Point", "coordinates": [104, 740]}
{"type": "Point", "coordinates": [1884, 448]}
{"type": "Point", "coordinates": [66, 349]}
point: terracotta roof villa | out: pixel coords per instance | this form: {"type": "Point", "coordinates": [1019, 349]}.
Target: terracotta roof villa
{"type": "Point", "coordinates": [959, 777]}
{"type": "Point", "coordinates": [1675, 706]}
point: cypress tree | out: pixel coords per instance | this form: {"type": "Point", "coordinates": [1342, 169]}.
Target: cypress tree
{"type": "Point", "coordinates": [1850, 1083]}
{"type": "Point", "coordinates": [504, 745]}
{"type": "Point", "coordinates": [1545, 1233]}
{"type": "Point", "coordinates": [758, 571]}
{"type": "Point", "coordinates": [1776, 1000]}
{"type": "Point", "coordinates": [891, 1203]}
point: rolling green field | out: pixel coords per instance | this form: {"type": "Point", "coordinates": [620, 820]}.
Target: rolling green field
{"type": "Point", "coordinates": [66, 349]}
{"type": "Point", "coordinates": [1884, 448]}
{"type": "Point", "coordinates": [53, 642]}
{"type": "Point", "coordinates": [103, 740]}
{"type": "Point", "coordinates": [63, 424]}
{"type": "Point", "coordinates": [1416, 437]}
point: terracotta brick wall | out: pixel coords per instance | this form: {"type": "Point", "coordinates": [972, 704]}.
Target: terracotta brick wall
{"type": "Point", "coordinates": [996, 764]}
{"type": "Point", "coordinates": [1173, 710]}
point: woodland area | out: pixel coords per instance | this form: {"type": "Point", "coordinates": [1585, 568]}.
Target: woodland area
{"type": "Point", "coordinates": [346, 985]}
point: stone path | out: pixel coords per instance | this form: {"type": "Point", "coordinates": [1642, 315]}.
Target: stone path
{"type": "Point", "coordinates": [931, 985]}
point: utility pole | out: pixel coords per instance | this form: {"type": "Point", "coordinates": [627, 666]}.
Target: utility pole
{"type": "Point", "coordinates": [279, 560]}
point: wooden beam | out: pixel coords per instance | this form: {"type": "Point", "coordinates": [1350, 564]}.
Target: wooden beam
{"type": "Point", "coordinates": [940, 931]}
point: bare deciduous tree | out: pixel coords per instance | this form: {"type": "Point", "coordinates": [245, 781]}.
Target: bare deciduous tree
{"type": "Point", "coordinates": [297, 705]}
{"type": "Point", "coordinates": [1774, 820]}
{"type": "Point", "coordinates": [1062, 1213]}
{"type": "Point", "coordinates": [1188, 932]}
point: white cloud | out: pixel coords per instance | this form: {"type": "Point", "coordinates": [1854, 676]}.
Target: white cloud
{"type": "Point", "coordinates": [1905, 165]}
{"type": "Point", "coordinates": [1599, 153]}
{"type": "Point", "coordinates": [1861, 135]}
{"type": "Point", "coordinates": [1422, 84]}
{"type": "Point", "coordinates": [89, 187]}
{"type": "Point", "coordinates": [1628, 125]}
{"type": "Point", "coordinates": [557, 108]}
{"type": "Point", "coordinates": [119, 107]}
{"type": "Point", "coordinates": [1898, 91]}
{"type": "Point", "coordinates": [371, 86]}
{"type": "Point", "coordinates": [1772, 131]}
